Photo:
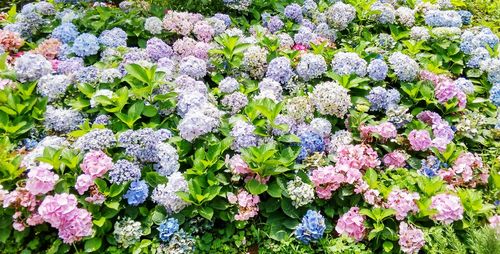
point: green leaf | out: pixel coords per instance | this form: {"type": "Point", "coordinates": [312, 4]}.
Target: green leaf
{"type": "Point", "coordinates": [255, 187]}
{"type": "Point", "coordinates": [93, 244]}
{"type": "Point", "coordinates": [274, 189]}
{"type": "Point", "coordinates": [289, 209]}
{"type": "Point", "coordinates": [388, 246]}
{"type": "Point", "coordinates": [207, 212]}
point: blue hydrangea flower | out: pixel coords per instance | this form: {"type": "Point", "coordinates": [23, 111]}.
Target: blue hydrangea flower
{"type": "Point", "coordinates": [430, 166]}
{"type": "Point", "coordinates": [311, 66]}
{"type": "Point", "coordinates": [168, 228]}
{"type": "Point", "coordinates": [495, 94]}
{"type": "Point", "coordinates": [312, 227]}
{"type": "Point", "coordinates": [310, 143]}
{"type": "Point", "coordinates": [223, 17]}
{"type": "Point", "coordinates": [349, 63]}
{"type": "Point", "coordinates": [438, 18]}
{"type": "Point", "coordinates": [85, 45]}
{"type": "Point", "coordinates": [137, 193]}
{"type": "Point", "coordinates": [66, 32]}
{"type": "Point", "coordinates": [377, 69]}
{"type": "Point", "coordinates": [466, 17]}
{"type": "Point", "coordinates": [113, 38]}
{"type": "Point", "coordinates": [382, 99]}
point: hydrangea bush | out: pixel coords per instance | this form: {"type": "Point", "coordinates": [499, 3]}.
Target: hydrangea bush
{"type": "Point", "coordinates": [310, 126]}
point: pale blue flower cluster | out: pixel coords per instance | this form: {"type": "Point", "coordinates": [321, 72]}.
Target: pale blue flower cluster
{"type": "Point", "coordinates": [348, 63]}
{"type": "Point", "coordinates": [113, 38]}
{"type": "Point", "coordinates": [124, 171]}
{"type": "Point", "coordinates": [311, 66]}
{"type": "Point", "coordinates": [137, 193]}
{"type": "Point", "coordinates": [85, 45]}
{"type": "Point", "coordinates": [438, 18]}
{"type": "Point", "coordinates": [377, 69]}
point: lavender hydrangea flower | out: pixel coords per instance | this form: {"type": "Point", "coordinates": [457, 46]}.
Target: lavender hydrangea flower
{"type": "Point", "coordinates": [348, 63]}
{"type": "Point", "coordinates": [311, 66]}
{"type": "Point", "coordinates": [294, 12]}
{"type": "Point", "coordinates": [235, 101]}
{"type": "Point", "coordinates": [405, 16]}
{"type": "Point", "coordinates": [165, 194]}
{"type": "Point", "coordinates": [377, 69]}
{"type": "Point", "coordinates": [156, 49]}
{"type": "Point", "coordinates": [96, 139]}
{"type": "Point", "coordinates": [113, 38]}
{"type": "Point", "coordinates": [274, 24]}
{"type": "Point", "coordinates": [124, 171]}
{"type": "Point", "coordinates": [386, 15]}
{"type": "Point", "coordinates": [304, 36]}
{"type": "Point", "coordinates": [243, 134]}
{"type": "Point", "coordinates": [199, 122]}
{"type": "Point", "coordinates": [229, 85]}
{"type": "Point", "coordinates": [339, 15]}
{"type": "Point", "coordinates": [382, 99]}
{"type": "Point", "coordinates": [85, 45]}
{"type": "Point", "coordinates": [280, 70]}
{"type": "Point", "coordinates": [30, 67]}
{"type": "Point", "coordinates": [193, 67]}
{"type": "Point", "coordinates": [168, 159]}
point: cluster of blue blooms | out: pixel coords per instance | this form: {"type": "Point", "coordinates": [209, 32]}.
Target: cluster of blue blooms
{"type": "Point", "coordinates": [310, 143]}
{"type": "Point", "coordinates": [311, 228]}
{"type": "Point", "coordinates": [137, 193]}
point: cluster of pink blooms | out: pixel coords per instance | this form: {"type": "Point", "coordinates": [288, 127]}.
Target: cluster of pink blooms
{"type": "Point", "coordinates": [247, 204]}
{"type": "Point", "coordinates": [189, 47]}
{"type": "Point", "coordinates": [411, 239]}
{"type": "Point", "coordinates": [443, 133]}
{"type": "Point", "coordinates": [385, 130]}
{"type": "Point", "coordinates": [402, 202]}
{"type": "Point", "coordinates": [10, 41]}
{"type": "Point", "coordinates": [95, 164]}
{"type": "Point", "coordinates": [448, 208]}
{"type": "Point", "coordinates": [21, 199]}
{"type": "Point", "coordinates": [328, 179]}
{"type": "Point", "coordinates": [350, 161]}
{"type": "Point", "coordinates": [180, 22]}
{"type": "Point", "coordinates": [495, 222]}
{"type": "Point", "coordinates": [395, 159]}
{"type": "Point", "coordinates": [61, 212]}
{"type": "Point", "coordinates": [358, 156]}
{"type": "Point", "coordinates": [467, 170]}
{"type": "Point", "coordinates": [41, 180]}
{"type": "Point", "coordinates": [239, 167]}
{"type": "Point", "coordinates": [49, 48]}
{"type": "Point", "coordinates": [445, 88]}
{"type": "Point", "coordinates": [420, 140]}
{"type": "Point", "coordinates": [203, 31]}
{"type": "Point", "coordinates": [351, 224]}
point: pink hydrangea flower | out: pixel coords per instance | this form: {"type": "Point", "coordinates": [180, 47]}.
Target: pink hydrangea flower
{"type": "Point", "coordinates": [385, 130]}
{"type": "Point", "coordinates": [411, 239]}
{"type": "Point", "coordinates": [448, 207]}
{"type": "Point", "coordinates": [395, 159]}
{"type": "Point", "coordinates": [420, 140]}
{"type": "Point", "coordinates": [351, 224]}
{"type": "Point", "coordinates": [247, 204]}
{"type": "Point", "coordinates": [96, 164]}
{"type": "Point", "coordinates": [62, 213]}
{"type": "Point", "coordinates": [203, 31]}
{"type": "Point", "coordinates": [238, 166]}
{"type": "Point", "coordinates": [41, 180]}
{"type": "Point", "coordinates": [495, 222]}
{"type": "Point", "coordinates": [328, 179]}
{"type": "Point", "coordinates": [402, 202]}
{"type": "Point", "coordinates": [83, 183]}
{"type": "Point", "coordinates": [96, 199]}
{"type": "Point", "coordinates": [429, 117]}
{"type": "Point", "coordinates": [358, 156]}
{"type": "Point", "coordinates": [372, 197]}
